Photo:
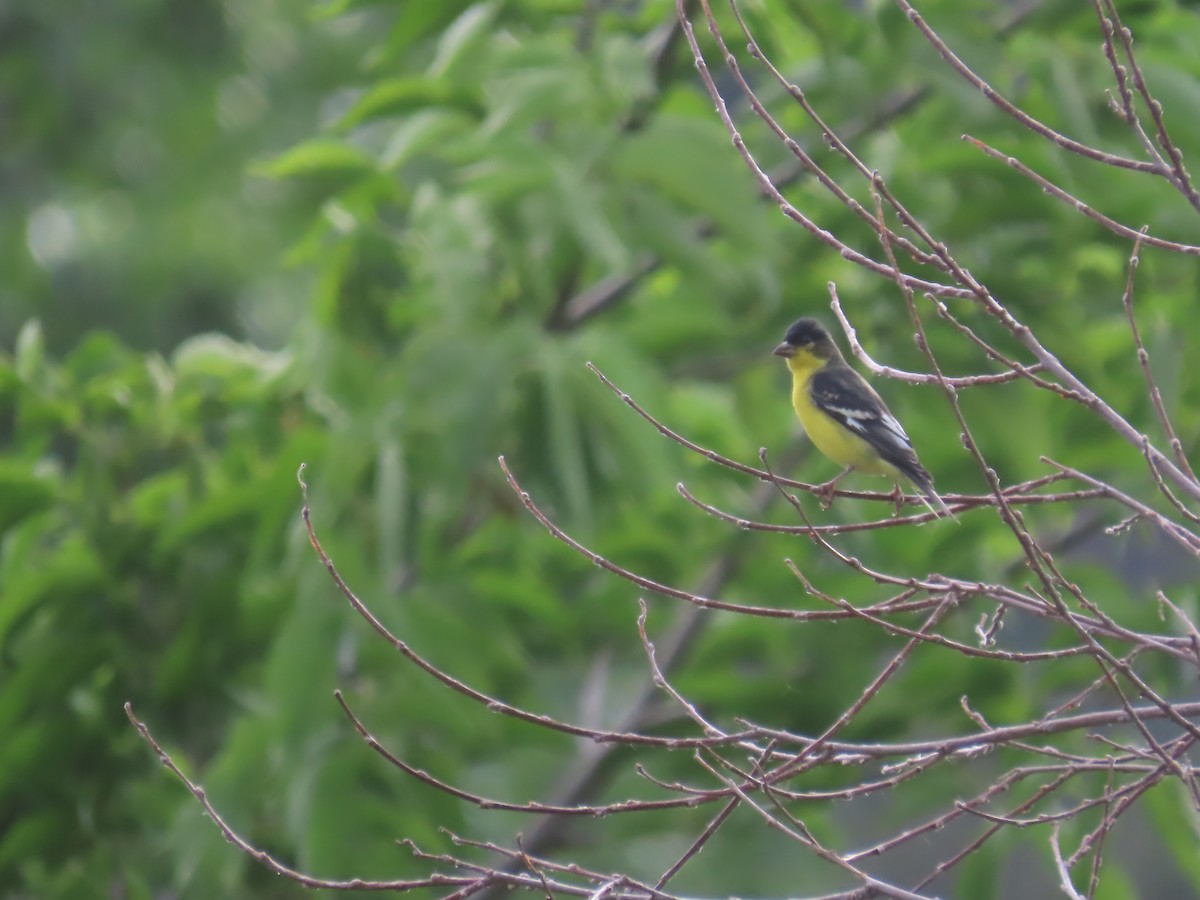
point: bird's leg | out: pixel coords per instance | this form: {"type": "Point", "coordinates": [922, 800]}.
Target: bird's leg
{"type": "Point", "coordinates": [897, 498]}
{"type": "Point", "coordinates": [824, 491]}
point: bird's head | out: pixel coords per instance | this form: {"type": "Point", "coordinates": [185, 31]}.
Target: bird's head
{"type": "Point", "coordinates": [807, 341]}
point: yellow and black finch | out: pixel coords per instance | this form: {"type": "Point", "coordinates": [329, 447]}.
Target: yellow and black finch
{"type": "Point", "coordinates": [844, 417]}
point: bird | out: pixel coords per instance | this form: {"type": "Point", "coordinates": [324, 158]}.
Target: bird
{"type": "Point", "coordinates": [844, 417]}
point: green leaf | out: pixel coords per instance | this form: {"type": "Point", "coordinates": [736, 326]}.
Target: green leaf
{"type": "Point", "coordinates": [421, 131]}
{"type": "Point", "coordinates": [32, 573]}
{"type": "Point", "coordinates": [24, 838]}
{"type": "Point", "coordinates": [416, 95]}
{"type": "Point", "coordinates": [1178, 828]}
{"type": "Point", "coordinates": [565, 432]}
{"type": "Point", "coordinates": [583, 210]}
{"type": "Point", "coordinates": [319, 156]}
{"type": "Point", "coordinates": [216, 355]}
{"type": "Point", "coordinates": [31, 349]}
{"type": "Point", "coordinates": [690, 161]}
{"type": "Point", "coordinates": [26, 488]}
{"type": "Point", "coordinates": [463, 37]}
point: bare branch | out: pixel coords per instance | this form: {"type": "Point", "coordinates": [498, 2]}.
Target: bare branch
{"type": "Point", "coordinates": [1013, 111]}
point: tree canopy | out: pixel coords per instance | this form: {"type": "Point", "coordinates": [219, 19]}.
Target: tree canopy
{"type": "Point", "coordinates": [387, 239]}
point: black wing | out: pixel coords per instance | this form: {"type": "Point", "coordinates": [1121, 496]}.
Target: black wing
{"type": "Point", "coordinates": [844, 396]}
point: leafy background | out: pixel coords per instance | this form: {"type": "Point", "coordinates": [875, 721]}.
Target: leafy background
{"type": "Point", "coordinates": [365, 235]}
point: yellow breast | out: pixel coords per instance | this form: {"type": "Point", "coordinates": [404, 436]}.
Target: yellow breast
{"type": "Point", "coordinates": [842, 446]}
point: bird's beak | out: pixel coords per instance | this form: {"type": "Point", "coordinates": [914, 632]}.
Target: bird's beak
{"type": "Point", "coordinates": [785, 350]}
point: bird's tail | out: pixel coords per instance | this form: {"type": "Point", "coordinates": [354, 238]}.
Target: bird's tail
{"type": "Point", "coordinates": [923, 482]}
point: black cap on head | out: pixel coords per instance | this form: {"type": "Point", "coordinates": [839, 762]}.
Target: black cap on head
{"type": "Point", "coordinates": [808, 335]}
{"type": "Point", "coordinates": [806, 332]}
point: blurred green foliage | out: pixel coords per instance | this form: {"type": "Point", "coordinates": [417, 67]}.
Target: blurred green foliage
{"type": "Point", "coordinates": [407, 205]}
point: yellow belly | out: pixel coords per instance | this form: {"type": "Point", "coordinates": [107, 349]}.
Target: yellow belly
{"type": "Point", "coordinates": [840, 445]}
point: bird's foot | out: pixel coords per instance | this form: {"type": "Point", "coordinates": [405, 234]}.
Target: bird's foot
{"type": "Point", "coordinates": [825, 491]}
{"type": "Point", "coordinates": [898, 500]}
